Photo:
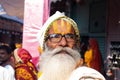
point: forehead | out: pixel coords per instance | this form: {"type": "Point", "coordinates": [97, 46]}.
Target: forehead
{"type": "Point", "coordinates": [61, 26]}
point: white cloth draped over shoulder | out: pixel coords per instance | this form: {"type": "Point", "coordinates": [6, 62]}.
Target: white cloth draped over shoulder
{"type": "Point", "coordinates": [86, 73]}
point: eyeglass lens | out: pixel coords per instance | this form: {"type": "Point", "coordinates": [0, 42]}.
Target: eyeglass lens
{"type": "Point", "coordinates": [58, 37]}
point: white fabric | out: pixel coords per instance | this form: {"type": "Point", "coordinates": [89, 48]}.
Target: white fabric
{"type": "Point", "coordinates": [17, 58]}
{"type": "Point", "coordinates": [85, 71]}
{"type": "Point", "coordinates": [7, 73]}
{"type": "Point", "coordinates": [40, 78]}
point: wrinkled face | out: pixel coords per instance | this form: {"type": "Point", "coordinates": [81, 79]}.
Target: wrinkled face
{"type": "Point", "coordinates": [61, 34]}
{"type": "Point", "coordinates": [4, 56]}
{"type": "Point", "coordinates": [61, 55]}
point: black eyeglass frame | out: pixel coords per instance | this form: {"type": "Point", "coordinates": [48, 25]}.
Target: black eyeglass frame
{"type": "Point", "coordinates": [69, 37]}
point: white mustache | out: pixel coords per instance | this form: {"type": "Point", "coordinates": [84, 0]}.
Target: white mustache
{"type": "Point", "coordinates": [71, 52]}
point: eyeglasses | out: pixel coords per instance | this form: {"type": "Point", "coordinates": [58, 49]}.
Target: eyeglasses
{"type": "Point", "coordinates": [58, 37]}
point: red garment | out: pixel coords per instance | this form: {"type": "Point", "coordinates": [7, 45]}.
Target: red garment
{"type": "Point", "coordinates": [96, 62]}
{"type": "Point", "coordinates": [25, 70]}
{"type": "Point", "coordinates": [24, 55]}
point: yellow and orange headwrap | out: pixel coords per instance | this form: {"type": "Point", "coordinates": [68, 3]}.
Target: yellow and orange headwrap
{"type": "Point", "coordinates": [42, 34]}
{"type": "Point", "coordinates": [18, 45]}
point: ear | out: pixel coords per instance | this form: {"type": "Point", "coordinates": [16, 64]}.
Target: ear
{"type": "Point", "coordinates": [80, 63]}
{"type": "Point", "coordinates": [40, 50]}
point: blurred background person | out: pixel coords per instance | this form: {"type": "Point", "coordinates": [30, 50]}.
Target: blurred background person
{"type": "Point", "coordinates": [6, 63]}
{"type": "Point", "coordinates": [24, 68]}
{"type": "Point", "coordinates": [93, 57]}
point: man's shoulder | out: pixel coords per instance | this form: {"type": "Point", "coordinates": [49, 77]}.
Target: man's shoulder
{"type": "Point", "coordinates": [10, 68]}
{"type": "Point", "coordinates": [1, 68]}
{"type": "Point", "coordinates": [6, 69]}
{"type": "Point", "coordinates": [86, 72]}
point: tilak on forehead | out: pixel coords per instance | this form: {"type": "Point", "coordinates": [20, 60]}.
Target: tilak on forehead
{"type": "Point", "coordinates": [61, 25]}
{"type": "Point", "coordinates": [55, 20]}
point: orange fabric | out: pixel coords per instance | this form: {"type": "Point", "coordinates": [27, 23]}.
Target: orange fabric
{"type": "Point", "coordinates": [88, 57]}
{"type": "Point", "coordinates": [18, 45]}
{"type": "Point", "coordinates": [40, 50]}
{"type": "Point", "coordinates": [25, 70]}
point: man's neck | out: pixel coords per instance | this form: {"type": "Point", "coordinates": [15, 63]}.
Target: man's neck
{"type": "Point", "coordinates": [4, 63]}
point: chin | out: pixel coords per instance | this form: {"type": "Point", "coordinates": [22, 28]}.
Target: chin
{"type": "Point", "coordinates": [58, 64]}
{"type": "Point", "coordinates": [59, 67]}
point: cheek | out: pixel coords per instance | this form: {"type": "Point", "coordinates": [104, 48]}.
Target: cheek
{"type": "Point", "coordinates": [71, 45]}
{"type": "Point", "coordinates": [51, 45]}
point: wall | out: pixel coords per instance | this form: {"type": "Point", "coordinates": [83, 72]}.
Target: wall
{"type": "Point", "coordinates": [81, 15]}
{"type": "Point", "coordinates": [10, 30]}
{"type": "Point", "coordinates": [91, 19]}
{"type": "Point", "coordinates": [113, 29]}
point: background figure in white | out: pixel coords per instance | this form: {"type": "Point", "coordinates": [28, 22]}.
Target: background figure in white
{"type": "Point", "coordinates": [86, 73]}
{"type": "Point", "coordinates": [7, 73]}
{"type": "Point", "coordinates": [6, 63]}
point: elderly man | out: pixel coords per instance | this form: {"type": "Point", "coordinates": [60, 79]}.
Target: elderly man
{"type": "Point", "coordinates": [59, 47]}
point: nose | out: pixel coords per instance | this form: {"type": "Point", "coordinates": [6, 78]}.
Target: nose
{"type": "Point", "coordinates": [63, 42]}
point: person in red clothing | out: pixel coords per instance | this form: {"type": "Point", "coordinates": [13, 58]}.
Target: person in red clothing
{"type": "Point", "coordinates": [93, 57]}
{"type": "Point", "coordinates": [24, 68]}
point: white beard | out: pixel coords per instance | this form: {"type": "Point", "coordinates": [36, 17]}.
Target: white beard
{"type": "Point", "coordinates": [56, 65]}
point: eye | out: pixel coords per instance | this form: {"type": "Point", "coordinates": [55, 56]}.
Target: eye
{"type": "Point", "coordinates": [70, 36]}
{"type": "Point", "coordinates": [54, 36]}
